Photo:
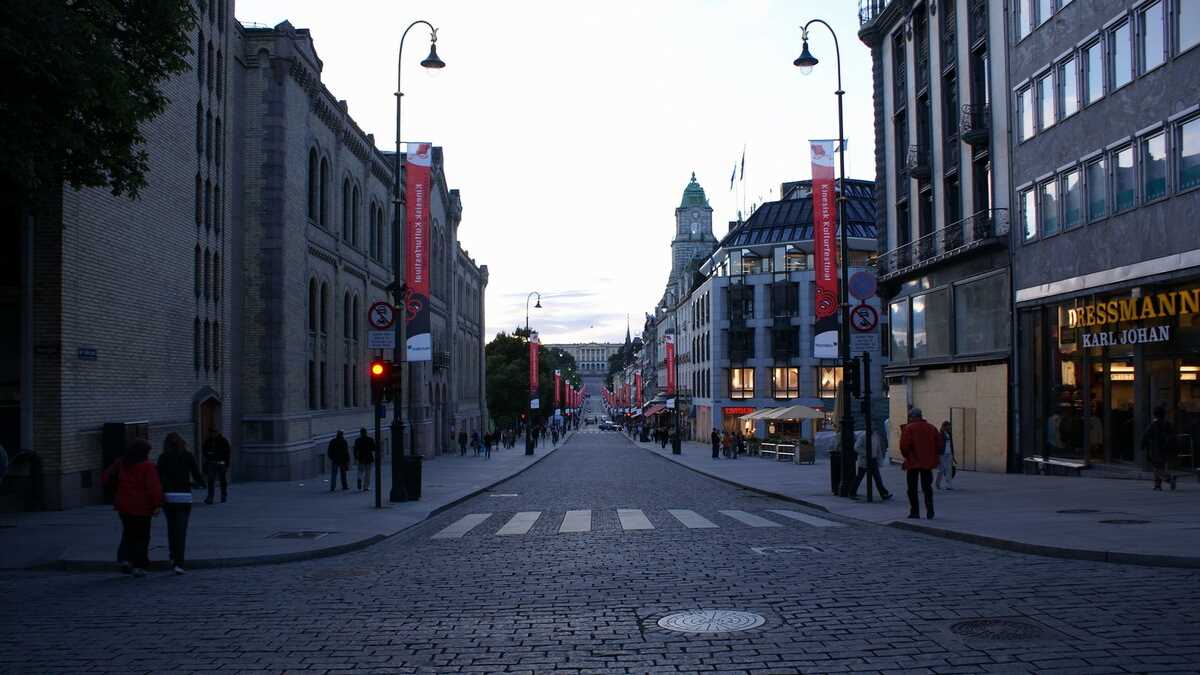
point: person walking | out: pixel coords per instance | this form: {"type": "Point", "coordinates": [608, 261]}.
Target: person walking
{"type": "Point", "coordinates": [177, 471]}
{"type": "Point", "coordinates": [476, 444]}
{"type": "Point", "coordinates": [216, 453]}
{"type": "Point", "coordinates": [920, 444]}
{"type": "Point", "coordinates": [726, 444]}
{"type": "Point", "coordinates": [339, 457]}
{"type": "Point", "coordinates": [739, 444]}
{"type": "Point", "coordinates": [946, 459]}
{"type": "Point", "coordinates": [139, 497]}
{"type": "Point", "coordinates": [879, 452]}
{"type": "Point", "coordinates": [715, 437]}
{"type": "Point", "coordinates": [1156, 442]}
{"type": "Point", "coordinates": [462, 443]}
{"type": "Point", "coordinates": [364, 458]}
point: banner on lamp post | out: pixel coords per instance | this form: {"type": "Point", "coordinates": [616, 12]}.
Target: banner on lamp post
{"type": "Point", "coordinates": [637, 386]}
{"type": "Point", "coordinates": [825, 252]}
{"type": "Point", "coordinates": [670, 364]}
{"type": "Point", "coordinates": [533, 368]}
{"type": "Point", "coordinates": [557, 384]}
{"type": "Point", "coordinates": [418, 164]}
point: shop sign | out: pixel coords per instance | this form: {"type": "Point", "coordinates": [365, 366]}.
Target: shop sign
{"type": "Point", "coordinates": [1158, 306]}
{"type": "Point", "coordinates": [1129, 336]}
{"type": "Point", "coordinates": [737, 412]}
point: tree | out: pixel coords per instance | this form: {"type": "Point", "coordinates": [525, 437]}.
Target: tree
{"type": "Point", "coordinates": [508, 377]}
{"type": "Point", "coordinates": [83, 76]}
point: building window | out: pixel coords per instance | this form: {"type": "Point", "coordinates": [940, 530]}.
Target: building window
{"type": "Point", "coordinates": [1189, 150]}
{"type": "Point", "coordinates": [1120, 55]}
{"type": "Point", "coordinates": [1096, 185]}
{"type": "Point", "coordinates": [1048, 208]}
{"type": "Point", "coordinates": [216, 345]}
{"type": "Point", "coordinates": [1027, 201]}
{"type": "Point", "coordinates": [220, 74]}
{"type": "Point", "coordinates": [1151, 40]}
{"type": "Point", "coordinates": [207, 275]}
{"type": "Point", "coordinates": [898, 324]}
{"type": "Point", "coordinates": [828, 380]}
{"type": "Point", "coordinates": [1025, 125]}
{"type": "Point", "coordinates": [1189, 24]}
{"type": "Point", "coordinates": [312, 385]}
{"type": "Point", "coordinates": [199, 200]}
{"type": "Point", "coordinates": [1093, 72]}
{"type": "Point", "coordinates": [1025, 17]}
{"type": "Point", "coordinates": [207, 346]}
{"type": "Point", "coordinates": [196, 345]}
{"type": "Point", "coordinates": [324, 387]}
{"type": "Point", "coordinates": [199, 127]}
{"type": "Point", "coordinates": [324, 206]}
{"type": "Point", "coordinates": [354, 319]}
{"type": "Point", "coordinates": [199, 282]}
{"type": "Point", "coordinates": [216, 277]}
{"type": "Point", "coordinates": [1068, 88]}
{"type": "Point", "coordinates": [354, 384]}
{"type": "Point", "coordinates": [981, 315]}
{"type": "Point", "coordinates": [741, 383]}
{"type": "Point", "coordinates": [1045, 11]}
{"type": "Point", "coordinates": [931, 324]}
{"type": "Point", "coordinates": [354, 217]}
{"type": "Point", "coordinates": [346, 316]}
{"type": "Point", "coordinates": [1154, 167]}
{"type": "Point", "coordinates": [1124, 185]}
{"type": "Point", "coordinates": [208, 77]}
{"type": "Point", "coordinates": [346, 205]}
{"type": "Point", "coordinates": [1045, 94]}
{"type": "Point", "coordinates": [324, 309]}
{"type": "Point", "coordinates": [1072, 197]}
{"type": "Point", "coordinates": [345, 385]}
{"type": "Point", "coordinates": [200, 56]}
{"type": "Point", "coordinates": [785, 383]}
{"type": "Point", "coordinates": [312, 305]}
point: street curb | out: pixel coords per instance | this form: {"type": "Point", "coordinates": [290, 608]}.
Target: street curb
{"type": "Point", "coordinates": [297, 556]}
{"type": "Point", "coordinates": [1141, 559]}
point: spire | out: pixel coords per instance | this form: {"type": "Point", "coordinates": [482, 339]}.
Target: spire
{"type": "Point", "coordinates": [628, 341]}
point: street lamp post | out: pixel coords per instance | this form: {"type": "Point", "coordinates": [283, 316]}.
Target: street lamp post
{"type": "Point", "coordinates": [400, 492]}
{"type": "Point", "coordinates": [805, 62]}
{"type": "Point", "coordinates": [538, 305]}
{"type": "Point", "coordinates": [529, 439]}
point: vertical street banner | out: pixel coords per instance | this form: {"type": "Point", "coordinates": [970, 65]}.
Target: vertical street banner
{"type": "Point", "coordinates": [557, 385]}
{"type": "Point", "coordinates": [637, 385]}
{"type": "Point", "coordinates": [418, 165]}
{"type": "Point", "coordinates": [670, 364]}
{"type": "Point", "coordinates": [825, 253]}
{"type": "Point", "coordinates": [533, 370]}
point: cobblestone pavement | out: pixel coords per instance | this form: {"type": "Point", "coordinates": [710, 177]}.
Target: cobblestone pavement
{"type": "Point", "coordinates": [650, 538]}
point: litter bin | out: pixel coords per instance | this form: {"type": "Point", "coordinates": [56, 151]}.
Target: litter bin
{"type": "Point", "coordinates": [412, 477]}
{"type": "Point", "coordinates": [835, 471]}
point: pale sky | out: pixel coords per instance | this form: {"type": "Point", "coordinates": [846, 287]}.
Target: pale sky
{"type": "Point", "coordinates": [571, 128]}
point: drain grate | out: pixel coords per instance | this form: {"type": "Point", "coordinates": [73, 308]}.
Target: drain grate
{"type": "Point", "coordinates": [298, 534]}
{"type": "Point", "coordinates": [711, 621]}
{"type": "Point", "coordinates": [998, 629]}
{"type": "Point", "coordinates": [1124, 521]}
{"type": "Point", "coordinates": [1078, 511]}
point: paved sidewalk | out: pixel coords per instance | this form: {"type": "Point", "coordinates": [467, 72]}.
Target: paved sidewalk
{"type": "Point", "coordinates": [243, 531]}
{"type": "Point", "coordinates": [1045, 515]}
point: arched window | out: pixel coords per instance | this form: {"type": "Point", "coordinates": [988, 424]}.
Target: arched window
{"type": "Point", "coordinates": [217, 143]}
{"type": "Point", "coordinates": [199, 127]}
{"type": "Point", "coordinates": [346, 316]}
{"type": "Point", "coordinates": [208, 134]}
{"type": "Point", "coordinates": [346, 204]}
{"type": "Point", "coordinates": [354, 319]}
{"type": "Point", "coordinates": [379, 237]}
{"type": "Point", "coordinates": [312, 305]}
{"type": "Point", "coordinates": [217, 207]}
{"type": "Point", "coordinates": [200, 57]}
{"type": "Point", "coordinates": [208, 78]}
{"type": "Point", "coordinates": [216, 277]}
{"type": "Point", "coordinates": [371, 230]}
{"type": "Point", "coordinates": [207, 203]}
{"type": "Point", "coordinates": [196, 345]}
{"type": "Point", "coordinates": [199, 200]}
{"type": "Point", "coordinates": [220, 73]}
{"type": "Point", "coordinates": [312, 185]}
{"type": "Point", "coordinates": [216, 341]}
{"type": "Point", "coordinates": [345, 385]}
{"type": "Point", "coordinates": [324, 206]}
{"type": "Point", "coordinates": [199, 271]}
{"type": "Point", "coordinates": [324, 308]}
{"type": "Point", "coordinates": [354, 218]}
{"type": "Point", "coordinates": [207, 274]}
{"type": "Point", "coordinates": [207, 346]}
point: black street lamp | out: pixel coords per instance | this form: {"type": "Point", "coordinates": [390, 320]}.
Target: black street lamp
{"type": "Point", "coordinates": [538, 305]}
{"type": "Point", "coordinates": [530, 441]}
{"type": "Point", "coordinates": [806, 62]}
{"type": "Point", "coordinates": [400, 491]}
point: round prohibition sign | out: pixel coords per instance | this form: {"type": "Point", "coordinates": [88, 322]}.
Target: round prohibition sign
{"type": "Point", "coordinates": [864, 318]}
{"type": "Point", "coordinates": [381, 315]}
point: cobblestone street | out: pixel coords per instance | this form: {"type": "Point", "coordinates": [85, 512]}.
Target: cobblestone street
{"type": "Point", "coordinates": [610, 540]}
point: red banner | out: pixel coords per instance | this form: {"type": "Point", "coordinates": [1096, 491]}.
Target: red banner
{"type": "Point", "coordinates": [824, 207]}
{"type": "Point", "coordinates": [637, 386]}
{"type": "Point", "coordinates": [533, 363]}
{"type": "Point", "coordinates": [557, 385]}
{"type": "Point", "coordinates": [418, 163]}
{"type": "Point", "coordinates": [670, 364]}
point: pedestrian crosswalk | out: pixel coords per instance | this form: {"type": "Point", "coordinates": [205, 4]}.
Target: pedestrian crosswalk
{"type": "Point", "coordinates": [580, 521]}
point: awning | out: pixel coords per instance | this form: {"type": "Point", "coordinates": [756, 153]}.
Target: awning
{"type": "Point", "coordinates": [795, 412]}
{"type": "Point", "coordinates": [654, 410]}
{"type": "Point", "coordinates": [758, 414]}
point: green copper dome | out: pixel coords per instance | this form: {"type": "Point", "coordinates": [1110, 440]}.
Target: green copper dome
{"type": "Point", "coordinates": [693, 194]}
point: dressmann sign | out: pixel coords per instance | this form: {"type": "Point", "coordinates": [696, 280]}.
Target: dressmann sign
{"type": "Point", "coordinates": [1164, 305]}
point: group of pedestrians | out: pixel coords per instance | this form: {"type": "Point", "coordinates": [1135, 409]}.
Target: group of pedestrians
{"type": "Point", "coordinates": [483, 445]}
{"type": "Point", "coordinates": [728, 445]}
{"type": "Point", "coordinates": [339, 458]}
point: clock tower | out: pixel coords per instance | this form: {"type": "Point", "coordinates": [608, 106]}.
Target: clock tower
{"type": "Point", "coordinates": [693, 230]}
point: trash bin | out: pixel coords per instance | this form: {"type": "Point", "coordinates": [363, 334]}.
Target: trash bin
{"type": "Point", "coordinates": [835, 471]}
{"type": "Point", "coordinates": [412, 477]}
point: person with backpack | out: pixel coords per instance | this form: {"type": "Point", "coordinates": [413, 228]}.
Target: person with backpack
{"type": "Point", "coordinates": [216, 453]}
{"type": "Point", "coordinates": [339, 456]}
{"type": "Point", "coordinates": [1157, 443]}
{"type": "Point", "coordinates": [139, 497]}
{"type": "Point", "coordinates": [364, 458]}
{"type": "Point", "coordinates": [177, 471]}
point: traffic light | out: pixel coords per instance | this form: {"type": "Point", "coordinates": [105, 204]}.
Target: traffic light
{"type": "Point", "coordinates": [381, 379]}
{"type": "Point", "coordinates": [852, 378]}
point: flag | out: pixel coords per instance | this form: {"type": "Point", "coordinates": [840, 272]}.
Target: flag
{"type": "Point", "coordinates": [733, 176]}
{"type": "Point", "coordinates": [743, 177]}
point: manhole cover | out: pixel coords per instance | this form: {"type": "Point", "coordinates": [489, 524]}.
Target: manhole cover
{"type": "Point", "coordinates": [711, 621]}
{"type": "Point", "coordinates": [784, 550]}
{"type": "Point", "coordinates": [997, 629]}
{"type": "Point", "coordinates": [1124, 521]}
{"type": "Point", "coordinates": [1078, 511]}
{"type": "Point", "coordinates": [298, 534]}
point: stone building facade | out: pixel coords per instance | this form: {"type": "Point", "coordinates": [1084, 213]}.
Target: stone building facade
{"type": "Point", "coordinates": [590, 357]}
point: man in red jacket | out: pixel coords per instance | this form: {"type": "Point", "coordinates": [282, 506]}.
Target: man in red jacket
{"type": "Point", "coordinates": [921, 445]}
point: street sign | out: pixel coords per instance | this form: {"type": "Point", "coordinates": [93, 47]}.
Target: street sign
{"type": "Point", "coordinates": [862, 285]}
{"type": "Point", "coordinates": [535, 404]}
{"type": "Point", "coordinates": [864, 318]}
{"type": "Point", "coordinates": [864, 342]}
{"type": "Point", "coordinates": [381, 339]}
{"type": "Point", "coordinates": [381, 315]}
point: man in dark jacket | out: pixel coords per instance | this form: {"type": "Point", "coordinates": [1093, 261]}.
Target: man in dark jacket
{"type": "Point", "coordinates": [364, 455]}
{"type": "Point", "coordinates": [462, 442]}
{"type": "Point", "coordinates": [716, 443]}
{"type": "Point", "coordinates": [921, 445]}
{"type": "Point", "coordinates": [339, 457]}
{"type": "Point", "coordinates": [1157, 443]}
{"type": "Point", "coordinates": [216, 454]}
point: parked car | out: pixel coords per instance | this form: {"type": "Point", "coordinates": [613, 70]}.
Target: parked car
{"type": "Point", "coordinates": [607, 426]}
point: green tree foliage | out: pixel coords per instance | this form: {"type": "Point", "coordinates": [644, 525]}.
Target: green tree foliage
{"type": "Point", "coordinates": [82, 77]}
{"type": "Point", "coordinates": [508, 377]}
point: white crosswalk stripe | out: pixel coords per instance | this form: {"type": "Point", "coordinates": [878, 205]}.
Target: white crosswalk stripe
{"type": "Point", "coordinates": [576, 521]}
{"type": "Point", "coordinates": [691, 519]}
{"type": "Point", "coordinates": [805, 518]}
{"type": "Point", "coordinates": [462, 526]}
{"type": "Point", "coordinates": [521, 523]}
{"type": "Point", "coordinates": [750, 519]}
{"type": "Point", "coordinates": [633, 519]}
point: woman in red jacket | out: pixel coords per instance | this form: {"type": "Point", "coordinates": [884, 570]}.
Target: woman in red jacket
{"type": "Point", "coordinates": [139, 497]}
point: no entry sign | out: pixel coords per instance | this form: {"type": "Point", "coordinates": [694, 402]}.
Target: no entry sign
{"type": "Point", "coordinates": [864, 318]}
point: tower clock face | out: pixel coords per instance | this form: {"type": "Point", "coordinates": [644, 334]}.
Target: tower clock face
{"type": "Point", "coordinates": [695, 226]}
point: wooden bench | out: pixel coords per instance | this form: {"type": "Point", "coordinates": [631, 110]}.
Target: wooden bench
{"type": "Point", "coordinates": [1061, 466]}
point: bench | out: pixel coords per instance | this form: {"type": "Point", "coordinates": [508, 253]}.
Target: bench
{"type": "Point", "coordinates": [1061, 466]}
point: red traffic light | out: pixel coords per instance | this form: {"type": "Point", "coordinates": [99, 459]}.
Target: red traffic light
{"type": "Point", "coordinates": [381, 380]}
{"type": "Point", "coordinates": [378, 369]}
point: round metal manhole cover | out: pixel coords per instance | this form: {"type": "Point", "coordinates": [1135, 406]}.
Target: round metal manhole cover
{"type": "Point", "coordinates": [997, 629]}
{"type": "Point", "coordinates": [1124, 521]}
{"type": "Point", "coordinates": [711, 621]}
{"type": "Point", "coordinates": [1078, 511]}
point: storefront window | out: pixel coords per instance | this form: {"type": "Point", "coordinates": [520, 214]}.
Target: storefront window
{"type": "Point", "coordinates": [981, 316]}
{"type": "Point", "coordinates": [931, 324]}
{"type": "Point", "coordinates": [741, 383]}
{"type": "Point", "coordinates": [898, 322]}
{"type": "Point", "coordinates": [785, 383]}
{"type": "Point", "coordinates": [828, 379]}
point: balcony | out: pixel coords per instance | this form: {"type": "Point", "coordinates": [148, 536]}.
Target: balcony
{"type": "Point", "coordinates": [950, 154]}
{"type": "Point", "coordinates": [916, 162]}
{"type": "Point", "coordinates": [949, 46]}
{"type": "Point", "coordinates": [977, 21]}
{"type": "Point", "coordinates": [868, 10]}
{"type": "Point", "coordinates": [441, 360]}
{"type": "Point", "coordinates": [975, 125]}
{"type": "Point", "coordinates": [982, 229]}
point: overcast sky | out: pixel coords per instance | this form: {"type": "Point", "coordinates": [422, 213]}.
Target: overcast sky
{"type": "Point", "coordinates": [572, 127]}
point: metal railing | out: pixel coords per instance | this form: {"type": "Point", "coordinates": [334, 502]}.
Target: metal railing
{"type": "Point", "coordinates": [975, 123]}
{"type": "Point", "coordinates": [977, 20]}
{"type": "Point", "coordinates": [976, 230]}
{"type": "Point", "coordinates": [916, 162]}
{"type": "Point", "coordinates": [869, 9]}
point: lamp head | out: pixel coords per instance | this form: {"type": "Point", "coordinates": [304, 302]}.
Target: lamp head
{"type": "Point", "coordinates": [806, 61]}
{"type": "Point", "coordinates": [538, 304]}
{"type": "Point", "coordinates": [432, 61]}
